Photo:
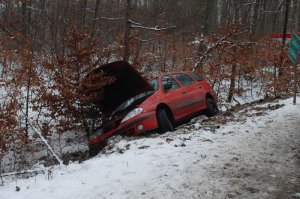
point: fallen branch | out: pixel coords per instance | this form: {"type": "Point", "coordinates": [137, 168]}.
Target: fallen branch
{"type": "Point", "coordinates": [24, 172]}
{"type": "Point", "coordinates": [45, 142]}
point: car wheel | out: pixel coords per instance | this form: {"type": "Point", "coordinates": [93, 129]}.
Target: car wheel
{"type": "Point", "coordinates": [93, 152]}
{"type": "Point", "coordinates": [212, 108]}
{"type": "Point", "coordinates": [164, 123]}
{"type": "Point", "coordinates": [95, 149]}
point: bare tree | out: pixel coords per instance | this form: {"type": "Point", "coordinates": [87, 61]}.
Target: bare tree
{"type": "Point", "coordinates": [127, 31]}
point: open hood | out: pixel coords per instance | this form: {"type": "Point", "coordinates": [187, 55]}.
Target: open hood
{"type": "Point", "coordinates": [128, 83]}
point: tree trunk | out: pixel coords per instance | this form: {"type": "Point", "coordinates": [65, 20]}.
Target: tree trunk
{"type": "Point", "coordinates": [95, 17]}
{"type": "Point", "coordinates": [253, 18]}
{"type": "Point", "coordinates": [127, 31]}
{"type": "Point", "coordinates": [28, 30]}
{"type": "Point", "coordinates": [232, 83]}
{"type": "Point", "coordinates": [210, 16]}
{"type": "Point", "coordinates": [275, 17]}
{"type": "Point", "coordinates": [234, 66]}
{"type": "Point", "coordinates": [24, 26]}
{"type": "Point", "coordinates": [83, 10]}
{"type": "Point", "coordinates": [286, 17]}
{"type": "Point", "coordinates": [263, 23]}
{"type": "Point", "coordinates": [28, 86]}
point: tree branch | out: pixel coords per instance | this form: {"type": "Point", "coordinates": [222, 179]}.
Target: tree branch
{"type": "Point", "coordinates": [214, 46]}
{"type": "Point", "coordinates": [109, 18]}
{"type": "Point", "coordinates": [156, 28]}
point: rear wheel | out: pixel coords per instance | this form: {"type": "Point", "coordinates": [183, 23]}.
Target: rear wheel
{"type": "Point", "coordinates": [164, 122]}
{"type": "Point", "coordinates": [212, 108]}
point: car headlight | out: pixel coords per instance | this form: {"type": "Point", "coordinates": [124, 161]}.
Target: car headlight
{"type": "Point", "coordinates": [132, 113]}
{"type": "Point", "coordinates": [96, 134]}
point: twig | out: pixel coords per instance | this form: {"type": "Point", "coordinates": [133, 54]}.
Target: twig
{"type": "Point", "coordinates": [181, 195]}
{"type": "Point", "coordinates": [236, 101]}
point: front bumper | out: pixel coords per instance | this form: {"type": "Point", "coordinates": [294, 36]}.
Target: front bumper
{"type": "Point", "coordinates": [141, 123]}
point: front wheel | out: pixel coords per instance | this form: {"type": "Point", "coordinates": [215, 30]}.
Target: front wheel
{"type": "Point", "coordinates": [164, 122]}
{"type": "Point", "coordinates": [212, 108]}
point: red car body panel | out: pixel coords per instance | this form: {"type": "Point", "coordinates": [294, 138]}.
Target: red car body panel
{"type": "Point", "coordinates": [183, 102]}
{"type": "Point", "coordinates": [148, 120]}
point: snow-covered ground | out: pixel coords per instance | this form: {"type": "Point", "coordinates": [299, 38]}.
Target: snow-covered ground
{"type": "Point", "coordinates": [256, 155]}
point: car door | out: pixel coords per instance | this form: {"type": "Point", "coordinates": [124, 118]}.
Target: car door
{"type": "Point", "coordinates": [192, 95]}
{"type": "Point", "coordinates": [173, 95]}
{"type": "Point", "coordinates": [202, 87]}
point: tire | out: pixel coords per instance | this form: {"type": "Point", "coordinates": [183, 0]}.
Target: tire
{"type": "Point", "coordinates": [164, 123]}
{"type": "Point", "coordinates": [212, 108]}
{"type": "Point", "coordinates": [93, 151]}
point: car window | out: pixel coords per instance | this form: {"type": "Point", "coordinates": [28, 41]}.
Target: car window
{"type": "Point", "coordinates": [154, 84]}
{"type": "Point", "coordinates": [196, 76]}
{"type": "Point", "coordinates": [184, 79]}
{"type": "Point", "coordinates": [168, 79]}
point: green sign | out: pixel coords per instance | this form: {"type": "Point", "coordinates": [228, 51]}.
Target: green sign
{"type": "Point", "coordinates": [293, 51]}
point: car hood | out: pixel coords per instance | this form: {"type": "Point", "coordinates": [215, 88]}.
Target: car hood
{"type": "Point", "coordinates": [127, 84]}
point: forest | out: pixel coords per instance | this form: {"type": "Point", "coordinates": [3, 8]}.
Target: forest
{"type": "Point", "coordinates": [49, 46]}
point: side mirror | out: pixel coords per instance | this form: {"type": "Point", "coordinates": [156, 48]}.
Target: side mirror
{"type": "Point", "coordinates": [167, 86]}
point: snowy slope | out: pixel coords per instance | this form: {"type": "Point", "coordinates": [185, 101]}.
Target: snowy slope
{"type": "Point", "coordinates": [252, 157]}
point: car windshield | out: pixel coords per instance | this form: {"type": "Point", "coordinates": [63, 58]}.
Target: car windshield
{"type": "Point", "coordinates": [132, 102]}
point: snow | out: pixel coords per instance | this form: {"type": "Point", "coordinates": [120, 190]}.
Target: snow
{"type": "Point", "coordinates": [252, 157]}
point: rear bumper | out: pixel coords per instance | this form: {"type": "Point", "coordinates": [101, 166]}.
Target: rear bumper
{"type": "Point", "coordinates": [140, 124]}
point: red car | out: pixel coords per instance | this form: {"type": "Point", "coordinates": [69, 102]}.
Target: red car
{"type": "Point", "coordinates": [136, 106]}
